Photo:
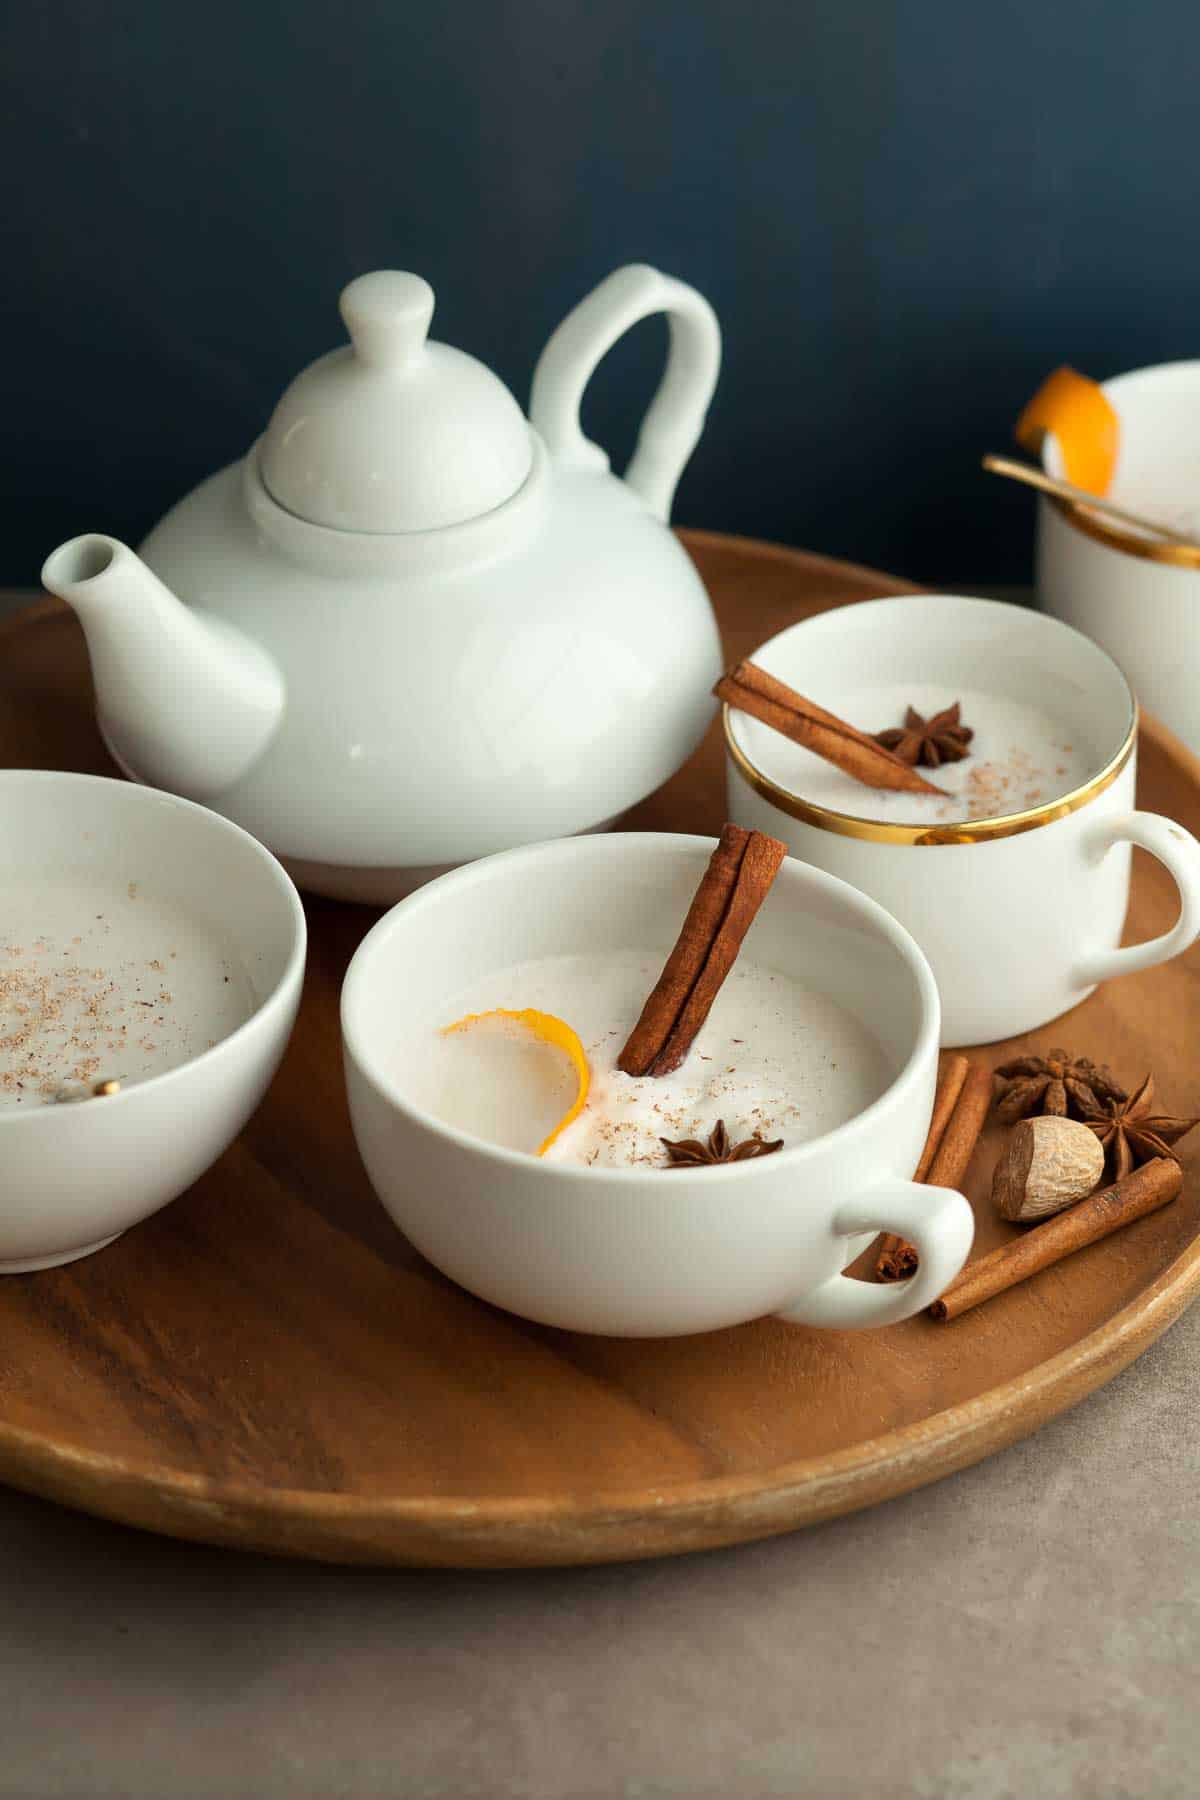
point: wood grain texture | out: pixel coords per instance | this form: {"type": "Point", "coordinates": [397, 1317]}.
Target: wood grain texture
{"type": "Point", "coordinates": [268, 1364]}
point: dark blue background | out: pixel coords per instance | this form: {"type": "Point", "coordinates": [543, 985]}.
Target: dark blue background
{"type": "Point", "coordinates": [904, 215]}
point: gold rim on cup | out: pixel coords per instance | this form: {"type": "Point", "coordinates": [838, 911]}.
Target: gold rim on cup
{"type": "Point", "coordinates": [967, 831]}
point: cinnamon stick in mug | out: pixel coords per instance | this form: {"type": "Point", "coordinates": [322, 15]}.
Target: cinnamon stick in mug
{"type": "Point", "coordinates": [735, 884]}
{"type": "Point", "coordinates": [960, 1110]}
{"type": "Point", "coordinates": [765, 697]}
{"type": "Point", "coordinates": [1143, 1191]}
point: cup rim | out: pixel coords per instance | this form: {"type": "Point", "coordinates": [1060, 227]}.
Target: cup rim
{"type": "Point", "coordinates": [1107, 532]}
{"type": "Point", "coordinates": [964, 831]}
{"type": "Point", "coordinates": [360, 975]}
{"type": "Point", "coordinates": [278, 996]}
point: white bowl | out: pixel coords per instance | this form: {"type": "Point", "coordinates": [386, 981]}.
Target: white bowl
{"type": "Point", "coordinates": [73, 1176]}
{"type": "Point", "coordinates": [637, 1252]}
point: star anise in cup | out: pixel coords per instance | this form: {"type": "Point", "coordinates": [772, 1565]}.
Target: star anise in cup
{"type": "Point", "coordinates": [1132, 1132]}
{"type": "Point", "coordinates": [932, 741]}
{"type": "Point", "coordinates": [1052, 1083]}
{"type": "Point", "coordinates": [690, 1153]}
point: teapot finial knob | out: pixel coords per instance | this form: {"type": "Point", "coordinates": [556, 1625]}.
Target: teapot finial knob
{"type": "Point", "coordinates": [388, 314]}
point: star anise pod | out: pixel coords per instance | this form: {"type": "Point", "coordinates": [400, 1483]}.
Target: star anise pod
{"type": "Point", "coordinates": [1051, 1083]}
{"type": "Point", "coordinates": [690, 1153]}
{"type": "Point", "coordinates": [940, 739]}
{"type": "Point", "coordinates": [1133, 1133]}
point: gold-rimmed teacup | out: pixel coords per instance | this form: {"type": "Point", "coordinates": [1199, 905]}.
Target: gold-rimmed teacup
{"type": "Point", "coordinates": [1139, 597]}
{"type": "Point", "coordinates": [1020, 912]}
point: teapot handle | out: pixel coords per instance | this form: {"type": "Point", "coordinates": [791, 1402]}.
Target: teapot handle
{"type": "Point", "coordinates": [675, 418]}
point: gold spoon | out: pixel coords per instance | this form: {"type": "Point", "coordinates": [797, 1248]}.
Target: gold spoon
{"type": "Point", "coordinates": [1065, 490]}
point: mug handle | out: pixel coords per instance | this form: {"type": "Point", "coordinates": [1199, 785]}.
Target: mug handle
{"type": "Point", "coordinates": [940, 1225]}
{"type": "Point", "coordinates": [675, 417]}
{"type": "Point", "coordinates": [1179, 854]}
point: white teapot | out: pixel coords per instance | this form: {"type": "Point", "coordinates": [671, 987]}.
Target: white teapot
{"type": "Point", "coordinates": [412, 627]}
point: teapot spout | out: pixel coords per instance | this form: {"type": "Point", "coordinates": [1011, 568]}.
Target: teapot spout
{"type": "Point", "coordinates": [184, 700]}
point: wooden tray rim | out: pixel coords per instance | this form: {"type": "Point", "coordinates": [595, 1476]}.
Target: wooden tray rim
{"type": "Point", "coordinates": [801, 1492]}
{"type": "Point", "coordinates": [646, 1522]}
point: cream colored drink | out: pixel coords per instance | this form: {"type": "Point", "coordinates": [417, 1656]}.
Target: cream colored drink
{"type": "Point", "coordinates": [1019, 757]}
{"type": "Point", "coordinates": [103, 982]}
{"type": "Point", "coordinates": [775, 1059]}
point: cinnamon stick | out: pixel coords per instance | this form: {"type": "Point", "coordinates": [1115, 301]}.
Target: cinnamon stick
{"type": "Point", "coordinates": [765, 697]}
{"type": "Point", "coordinates": [735, 884]}
{"type": "Point", "coordinates": [1154, 1184]}
{"type": "Point", "coordinates": [953, 1155]}
{"type": "Point", "coordinates": [960, 1109]}
{"type": "Point", "coordinates": [897, 1258]}
{"type": "Point", "coordinates": [951, 1075]}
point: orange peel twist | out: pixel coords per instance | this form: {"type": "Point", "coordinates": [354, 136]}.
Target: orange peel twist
{"type": "Point", "coordinates": [551, 1031]}
{"type": "Point", "coordinates": [1078, 413]}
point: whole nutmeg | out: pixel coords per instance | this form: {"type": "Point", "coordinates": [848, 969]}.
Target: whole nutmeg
{"type": "Point", "coordinates": [1048, 1163]}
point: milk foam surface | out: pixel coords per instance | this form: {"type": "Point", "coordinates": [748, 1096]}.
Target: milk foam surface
{"type": "Point", "coordinates": [1020, 757]}
{"type": "Point", "coordinates": [775, 1059]}
{"type": "Point", "coordinates": [101, 982]}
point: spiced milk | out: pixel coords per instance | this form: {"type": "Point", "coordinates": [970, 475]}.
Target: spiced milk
{"type": "Point", "coordinates": [1020, 756]}
{"type": "Point", "coordinates": [102, 982]}
{"type": "Point", "coordinates": [774, 1060]}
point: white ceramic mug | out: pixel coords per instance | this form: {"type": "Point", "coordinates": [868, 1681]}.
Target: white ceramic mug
{"type": "Point", "coordinates": [1138, 597]}
{"type": "Point", "coordinates": [1020, 915]}
{"type": "Point", "coordinates": [637, 1252]}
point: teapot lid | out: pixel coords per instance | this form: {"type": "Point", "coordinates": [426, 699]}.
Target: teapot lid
{"type": "Point", "coordinates": [394, 432]}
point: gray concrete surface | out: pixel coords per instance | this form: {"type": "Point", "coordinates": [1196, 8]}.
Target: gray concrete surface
{"type": "Point", "coordinates": [1030, 1628]}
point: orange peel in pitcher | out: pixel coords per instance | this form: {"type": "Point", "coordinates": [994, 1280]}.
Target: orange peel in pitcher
{"type": "Point", "coordinates": [549, 1030]}
{"type": "Point", "coordinates": [1076, 412]}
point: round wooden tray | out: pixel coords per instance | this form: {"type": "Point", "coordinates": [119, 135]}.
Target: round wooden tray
{"type": "Point", "coordinates": [268, 1364]}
